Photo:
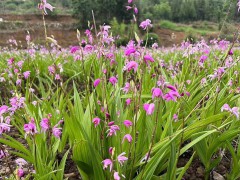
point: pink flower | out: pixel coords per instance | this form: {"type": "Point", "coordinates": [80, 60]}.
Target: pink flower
{"type": "Point", "coordinates": [172, 87]}
{"type": "Point", "coordinates": [238, 4]}
{"type": "Point", "coordinates": [128, 7]}
{"type": "Point", "coordinates": [18, 82]}
{"type": "Point", "coordinates": [110, 150]}
{"type": "Point", "coordinates": [111, 123]}
{"type": "Point", "coordinates": [96, 82]}
{"type": "Point", "coordinates": [127, 137]}
{"type": "Point", "coordinates": [51, 69]}
{"type": "Point", "coordinates": [127, 123]}
{"type": "Point", "coordinates": [128, 101]}
{"type": "Point", "coordinates": [225, 107]}
{"type": "Point", "coordinates": [20, 63]}
{"type": "Point", "coordinates": [30, 128]}
{"type": "Point", "coordinates": [147, 58]}
{"type": "Point", "coordinates": [44, 124]}
{"type": "Point", "coordinates": [116, 176]}
{"type": "Point", "coordinates": [57, 132]}
{"type": "Point", "coordinates": [149, 108]}
{"type": "Point", "coordinates": [113, 80]}
{"type": "Point", "coordinates": [3, 154]}
{"type": "Point", "coordinates": [135, 10]}
{"type": "Point", "coordinates": [235, 111]}
{"type": "Point", "coordinates": [203, 58]}
{"type": "Point", "coordinates": [21, 162]}
{"type": "Point", "coordinates": [20, 172]}
{"type": "Point", "coordinates": [130, 1]}
{"type": "Point", "coordinates": [106, 163]}
{"type": "Point", "coordinates": [45, 6]}
{"type": "Point", "coordinates": [156, 92]}
{"type": "Point", "coordinates": [74, 49]}
{"type": "Point", "coordinates": [28, 38]}
{"type": "Point", "coordinates": [172, 95]}
{"type": "Point", "coordinates": [132, 65]}
{"type": "Point", "coordinates": [129, 51]}
{"type": "Point", "coordinates": [96, 121]}
{"type": "Point", "coordinates": [113, 130]}
{"type": "Point", "coordinates": [3, 109]}
{"type": "Point", "coordinates": [26, 74]}
{"type": "Point", "coordinates": [121, 158]}
{"type": "Point", "coordinates": [10, 61]}
{"type": "Point", "coordinates": [146, 24]}
{"type": "Point", "coordinates": [126, 87]}
{"type": "Point", "coordinates": [175, 117]}
{"type": "Point", "coordinates": [4, 127]}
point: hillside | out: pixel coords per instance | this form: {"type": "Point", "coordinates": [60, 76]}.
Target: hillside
{"type": "Point", "coordinates": [30, 6]}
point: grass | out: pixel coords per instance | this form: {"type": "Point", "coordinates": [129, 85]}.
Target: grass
{"type": "Point", "coordinates": [202, 28]}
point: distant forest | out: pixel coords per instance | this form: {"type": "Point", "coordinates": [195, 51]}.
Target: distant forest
{"type": "Point", "coordinates": [105, 10]}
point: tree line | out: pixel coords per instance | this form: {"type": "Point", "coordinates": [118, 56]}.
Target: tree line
{"type": "Point", "coordinates": [174, 10]}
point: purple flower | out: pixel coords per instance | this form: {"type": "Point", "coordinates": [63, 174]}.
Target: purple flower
{"type": "Point", "coordinates": [44, 124]}
{"type": "Point", "coordinates": [106, 163]}
{"type": "Point", "coordinates": [146, 24]}
{"type": "Point", "coordinates": [172, 96]}
{"type": "Point", "coordinates": [96, 82]}
{"type": "Point", "coordinates": [235, 111]}
{"type": "Point", "coordinates": [51, 69]}
{"type": "Point", "coordinates": [121, 158]}
{"type": "Point", "coordinates": [111, 122]}
{"type": "Point", "coordinates": [127, 137]}
{"type": "Point", "coordinates": [238, 4]}
{"type": "Point", "coordinates": [129, 51]}
{"type": "Point", "coordinates": [116, 176]}
{"type": "Point", "coordinates": [173, 88]}
{"type": "Point", "coordinates": [4, 127]}
{"type": "Point", "coordinates": [3, 109]}
{"type": "Point", "coordinates": [132, 65]}
{"type": "Point", "coordinates": [127, 123]}
{"type": "Point", "coordinates": [30, 128]}
{"type": "Point", "coordinates": [225, 107]}
{"type": "Point", "coordinates": [113, 130]}
{"type": "Point", "coordinates": [45, 6]}
{"type": "Point", "coordinates": [18, 82]}
{"type": "Point", "coordinates": [175, 117]}
{"type": "Point", "coordinates": [128, 101]}
{"type": "Point", "coordinates": [74, 49]}
{"type": "Point", "coordinates": [203, 58]}
{"type": "Point", "coordinates": [57, 131]}
{"type": "Point", "coordinates": [126, 87]}
{"type": "Point", "coordinates": [130, 1]}
{"type": "Point", "coordinates": [21, 162]}
{"type": "Point", "coordinates": [113, 80]}
{"type": "Point", "coordinates": [3, 154]}
{"type": "Point", "coordinates": [110, 150]}
{"type": "Point", "coordinates": [10, 61]}
{"type": "Point", "coordinates": [149, 108]}
{"type": "Point", "coordinates": [20, 172]}
{"type": "Point", "coordinates": [147, 58]}
{"type": "Point", "coordinates": [26, 74]}
{"type": "Point", "coordinates": [128, 7]}
{"type": "Point", "coordinates": [135, 10]}
{"type": "Point", "coordinates": [156, 92]}
{"type": "Point", "coordinates": [96, 121]}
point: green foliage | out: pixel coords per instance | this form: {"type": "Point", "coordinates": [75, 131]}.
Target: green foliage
{"type": "Point", "coordinates": [150, 39]}
{"type": "Point", "coordinates": [162, 11]}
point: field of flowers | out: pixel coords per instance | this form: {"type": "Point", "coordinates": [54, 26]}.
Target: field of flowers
{"type": "Point", "coordinates": [95, 111]}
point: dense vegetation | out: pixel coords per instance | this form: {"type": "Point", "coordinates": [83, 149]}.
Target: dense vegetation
{"type": "Point", "coordinates": [95, 111]}
{"type": "Point", "coordinates": [105, 10]}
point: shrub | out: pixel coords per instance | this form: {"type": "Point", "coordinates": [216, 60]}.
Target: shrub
{"type": "Point", "coordinates": [150, 39]}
